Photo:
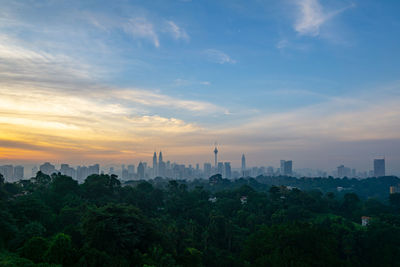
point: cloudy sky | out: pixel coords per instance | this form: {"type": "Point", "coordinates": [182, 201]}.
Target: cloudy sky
{"type": "Point", "coordinates": [316, 81]}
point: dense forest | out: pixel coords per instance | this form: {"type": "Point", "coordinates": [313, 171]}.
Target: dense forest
{"type": "Point", "coordinates": [263, 221]}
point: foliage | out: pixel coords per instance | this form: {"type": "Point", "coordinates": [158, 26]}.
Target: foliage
{"type": "Point", "coordinates": [263, 221]}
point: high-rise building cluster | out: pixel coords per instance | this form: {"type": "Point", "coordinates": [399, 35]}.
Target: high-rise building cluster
{"type": "Point", "coordinates": [12, 173]}
{"type": "Point", "coordinates": [378, 171]}
{"type": "Point", "coordinates": [80, 173]}
{"type": "Point", "coordinates": [173, 170]}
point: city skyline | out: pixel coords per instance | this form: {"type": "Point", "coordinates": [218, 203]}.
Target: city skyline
{"type": "Point", "coordinates": [110, 82]}
{"type": "Point", "coordinates": [173, 169]}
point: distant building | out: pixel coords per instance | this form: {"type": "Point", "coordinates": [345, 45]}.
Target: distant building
{"type": "Point", "coordinates": [207, 169]}
{"type": "Point", "coordinates": [379, 167]}
{"type": "Point", "coordinates": [365, 220]}
{"type": "Point", "coordinates": [161, 166]}
{"type": "Point", "coordinates": [288, 167]}
{"type": "Point", "coordinates": [228, 171]}
{"type": "Point", "coordinates": [161, 169]}
{"type": "Point", "coordinates": [282, 167]}
{"type": "Point", "coordinates": [394, 189]}
{"type": "Point", "coordinates": [82, 173]}
{"type": "Point", "coordinates": [215, 157]}
{"type": "Point", "coordinates": [140, 170]}
{"type": "Point", "coordinates": [254, 172]}
{"type": "Point", "coordinates": [47, 168]}
{"type": "Point", "coordinates": [131, 171]}
{"type": "Point", "coordinates": [212, 199]}
{"type": "Point", "coordinates": [67, 170]}
{"type": "Point", "coordinates": [8, 172]}
{"type": "Point", "coordinates": [18, 173]}
{"type": "Point", "coordinates": [220, 169]}
{"type": "Point", "coordinates": [124, 174]}
{"type": "Point", "coordinates": [34, 171]}
{"type": "Point", "coordinates": [343, 171]}
{"type": "Point", "coordinates": [270, 171]}
{"type": "Point", "coordinates": [155, 167]}
{"type": "Point", "coordinates": [94, 169]}
{"type": "Point", "coordinates": [243, 164]}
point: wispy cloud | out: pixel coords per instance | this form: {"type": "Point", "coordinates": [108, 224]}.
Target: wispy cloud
{"type": "Point", "coordinates": [142, 28]}
{"type": "Point", "coordinates": [149, 98]}
{"type": "Point", "coordinates": [218, 56]}
{"type": "Point", "coordinates": [312, 16]}
{"type": "Point", "coordinates": [53, 102]}
{"type": "Point", "coordinates": [184, 82]}
{"type": "Point", "coordinates": [347, 119]}
{"type": "Point", "coordinates": [177, 32]}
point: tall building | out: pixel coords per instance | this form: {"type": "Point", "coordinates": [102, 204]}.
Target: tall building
{"type": "Point", "coordinates": [282, 169]}
{"type": "Point", "coordinates": [47, 168]}
{"type": "Point", "coordinates": [220, 169]}
{"type": "Point", "coordinates": [160, 159]}
{"type": "Point", "coordinates": [288, 167]}
{"type": "Point", "coordinates": [155, 168]}
{"type": "Point", "coordinates": [8, 172]}
{"type": "Point", "coordinates": [379, 167]}
{"type": "Point", "coordinates": [228, 171]}
{"type": "Point", "coordinates": [18, 173]}
{"type": "Point", "coordinates": [67, 170]}
{"type": "Point", "coordinates": [131, 170]}
{"type": "Point", "coordinates": [161, 166]}
{"type": "Point", "coordinates": [140, 170]}
{"type": "Point", "coordinates": [124, 173]}
{"type": "Point", "coordinates": [82, 173]}
{"type": "Point", "coordinates": [34, 171]}
{"type": "Point", "coordinates": [207, 170]}
{"type": "Point", "coordinates": [343, 171]}
{"type": "Point", "coordinates": [243, 164]}
{"type": "Point", "coordinates": [94, 169]}
{"type": "Point", "coordinates": [215, 157]}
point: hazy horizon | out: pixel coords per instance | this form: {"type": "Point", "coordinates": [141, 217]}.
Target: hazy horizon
{"type": "Point", "coordinates": [316, 82]}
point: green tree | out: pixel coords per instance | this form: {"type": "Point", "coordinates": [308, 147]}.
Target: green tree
{"type": "Point", "coordinates": [118, 229]}
{"type": "Point", "coordinates": [35, 249]}
{"type": "Point", "coordinates": [41, 179]}
{"type": "Point", "coordinates": [60, 250]}
{"type": "Point", "coordinates": [101, 187]}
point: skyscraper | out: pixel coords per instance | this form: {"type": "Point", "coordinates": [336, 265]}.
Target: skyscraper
{"type": "Point", "coordinates": [161, 166]}
{"type": "Point", "coordinates": [220, 169]}
{"type": "Point", "coordinates": [287, 168]}
{"type": "Point", "coordinates": [34, 171]}
{"type": "Point", "coordinates": [343, 171]}
{"type": "Point", "coordinates": [94, 169]}
{"type": "Point", "coordinates": [379, 167]}
{"type": "Point", "coordinates": [216, 157]}
{"type": "Point", "coordinates": [228, 171]}
{"type": "Point", "coordinates": [243, 164]}
{"type": "Point", "coordinates": [47, 168]}
{"type": "Point", "coordinates": [155, 168]}
{"type": "Point", "coordinates": [207, 169]}
{"type": "Point", "coordinates": [140, 170]}
{"type": "Point", "coordinates": [18, 173]}
{"type": "Point", "coordinates": [160, 159]}
{"type": "Point", "coordinates": [131, 170]}
{"type": "Point", "coordinates": [8, 172]}
{"type": "Point", "coordinates": [282, 169]}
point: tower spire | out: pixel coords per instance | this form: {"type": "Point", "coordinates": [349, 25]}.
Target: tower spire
{"type": "Point", "coordinates": [216, 155]}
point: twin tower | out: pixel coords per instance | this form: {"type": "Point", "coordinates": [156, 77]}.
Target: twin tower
{"type": "Point", "coordinates": [158, 167]}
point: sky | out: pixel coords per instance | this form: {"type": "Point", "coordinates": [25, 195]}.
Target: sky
{"type": "Point", "coordinates": [315, 81]}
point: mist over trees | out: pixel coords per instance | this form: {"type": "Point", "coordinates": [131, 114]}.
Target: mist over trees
{"type": "Point", "coordinates": [262, 221]}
